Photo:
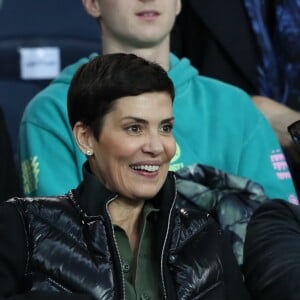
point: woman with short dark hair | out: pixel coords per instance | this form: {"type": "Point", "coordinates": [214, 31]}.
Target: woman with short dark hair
{"type": "Point", "coordinates": [119, 234]}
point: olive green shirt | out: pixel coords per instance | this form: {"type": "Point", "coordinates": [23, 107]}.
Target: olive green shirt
{"type": "Point", "coordinates": [143, 280]}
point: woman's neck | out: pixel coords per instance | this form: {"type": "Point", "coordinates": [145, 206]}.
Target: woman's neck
{"type": "Point", "coordinates": [126, 215]}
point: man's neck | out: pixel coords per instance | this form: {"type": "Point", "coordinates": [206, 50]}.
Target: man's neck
{"type": "Point", "coordinates": [158, 54]}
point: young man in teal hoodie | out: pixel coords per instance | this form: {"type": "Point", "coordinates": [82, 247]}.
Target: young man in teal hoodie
{"type": "Point", "coordinates": [216, 124]}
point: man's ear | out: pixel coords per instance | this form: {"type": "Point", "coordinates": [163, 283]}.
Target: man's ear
{"type": "Point", "coordinates": [92, 7]}
{"type": "Point", "coordinates": [83, 137]}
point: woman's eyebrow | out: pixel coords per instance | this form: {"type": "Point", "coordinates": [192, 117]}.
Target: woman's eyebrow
{"type": "Point", "coordinates": [171, 119]}
{"type": "Point", "coordinates": [136, 119]}
{"type": "Point", "coordinates": [140, 120]}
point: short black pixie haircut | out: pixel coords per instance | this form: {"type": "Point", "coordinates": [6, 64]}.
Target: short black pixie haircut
{"type": "Point", "coordinates": [99, 83]}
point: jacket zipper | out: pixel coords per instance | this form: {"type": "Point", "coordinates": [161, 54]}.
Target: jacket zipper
{"type": "Point", "coordinates": [116, 245]}
{"type": "Point", "coordinates": [165, 241]}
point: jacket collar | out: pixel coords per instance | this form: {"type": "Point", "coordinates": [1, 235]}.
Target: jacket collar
{"type": "Point", "coordinates": [92, 196]}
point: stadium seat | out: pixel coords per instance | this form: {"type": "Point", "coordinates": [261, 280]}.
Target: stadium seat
{"type": "Point", "coordinates": [38, 39]}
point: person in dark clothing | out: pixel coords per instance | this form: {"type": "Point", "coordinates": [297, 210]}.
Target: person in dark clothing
{"type": "Point", "coordinates": [272, 252]}
{"type": "Point", "coordinates": [218, 39]}
{"type": "Point", "coordinates": [121, 233]}
{"type": "Point", "coordinates": [272, 247]}
{"type": "Point", "coordinates": [248, 43]}
{"type": "Point", "coordinates": [9, 177]}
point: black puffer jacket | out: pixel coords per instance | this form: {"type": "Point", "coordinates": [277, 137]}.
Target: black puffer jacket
{"type": "Point", "coordinates": [65, 244]}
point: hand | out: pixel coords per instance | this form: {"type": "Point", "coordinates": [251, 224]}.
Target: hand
{"type": "Point", "coordinates": [280, 116]}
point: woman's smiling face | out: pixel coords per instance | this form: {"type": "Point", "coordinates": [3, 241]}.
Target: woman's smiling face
{"type": "Point", "coordinates": [135, 145]}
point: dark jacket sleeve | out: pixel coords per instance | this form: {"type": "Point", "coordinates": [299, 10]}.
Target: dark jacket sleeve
{"type": "Point", "coordinates": [272, 252]}
{"type": "Point", "coordinates": [234, 284]}
{"type": "Point", "coordinates": [9, 177]}
{"type": "Point", "coordinates": [13, 257]}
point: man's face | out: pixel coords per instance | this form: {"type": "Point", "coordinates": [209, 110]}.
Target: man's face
{"type": "Point", "coordinates": [137, 23]}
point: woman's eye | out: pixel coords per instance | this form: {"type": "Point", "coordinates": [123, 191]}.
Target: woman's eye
{"type": "Point", "coordinates": [136, 129]}
{"type": "Point", "coordinates": [166, 128]}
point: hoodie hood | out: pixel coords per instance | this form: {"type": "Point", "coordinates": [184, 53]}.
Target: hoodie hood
{"type": "Point", "coordinates": [68, 72]}
{"type": "Point", "coordinates": [181, 72]}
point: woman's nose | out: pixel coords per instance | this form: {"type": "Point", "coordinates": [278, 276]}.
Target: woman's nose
{"type": "Point", "coordinates": [153, 145]}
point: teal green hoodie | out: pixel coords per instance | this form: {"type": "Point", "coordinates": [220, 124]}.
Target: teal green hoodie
{"type": "Point", "coordinates": [216, 124]}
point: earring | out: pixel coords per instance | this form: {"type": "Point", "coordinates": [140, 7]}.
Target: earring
{"type": "Point", "coordinates": [89, 152]}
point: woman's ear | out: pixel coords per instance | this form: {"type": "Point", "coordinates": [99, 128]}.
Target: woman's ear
{"type": "Point", "coordinates": [92, 7]}
{"type": "Point", "coordinates": [84, 138]}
